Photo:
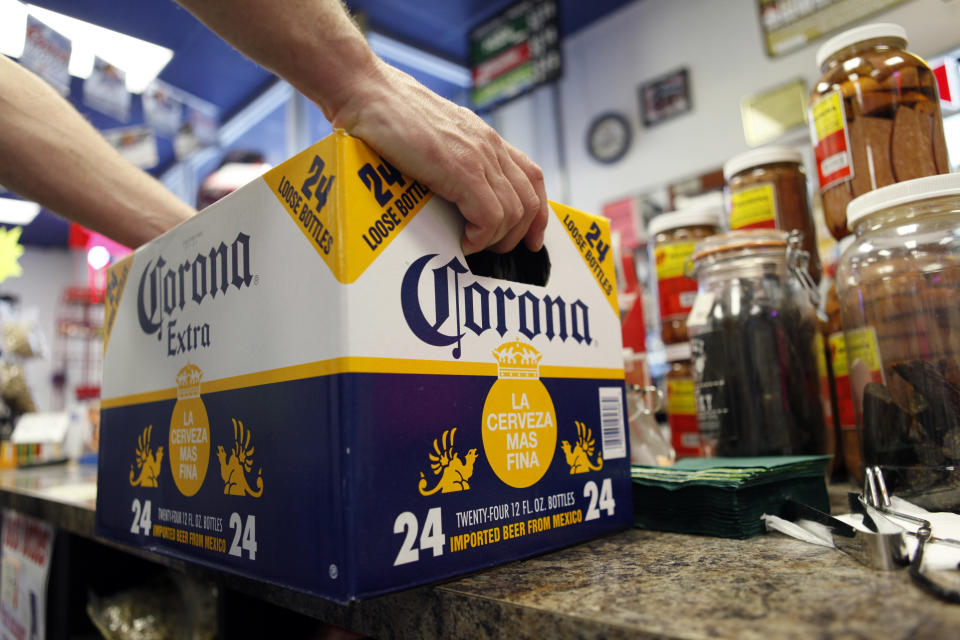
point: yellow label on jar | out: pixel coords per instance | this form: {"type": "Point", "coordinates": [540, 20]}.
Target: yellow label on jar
{"type": "Point", "coordinates": [828, 116]}
{"type": "Point", "coordinates": [753, 207]}
{"type": "Point", "coordinates": [838, 349]}
{"type": "Point", "coordinates": [680, 397]}
{"type": "Point", "coordinates": [671, 258]}
{"type": "Point", "coordinates": [862, 347]}
{"type": "Point", "coordinates": [821, 355]}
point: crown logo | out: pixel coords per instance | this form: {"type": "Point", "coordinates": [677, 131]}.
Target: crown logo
{"type": "Point", "coordinates": [517, 360]}
{"type": "Point", "coordinates": [188, 382]}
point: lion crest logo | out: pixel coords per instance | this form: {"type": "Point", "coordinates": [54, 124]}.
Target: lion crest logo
{"type": "Point", "coordinates": [148, 463]}
{"type": "Point", "coordinates": [578, 457]}
{"type": "Point", "coordinates": [235, 469]}
{"type": "Point", "coordinates": [445, 462]}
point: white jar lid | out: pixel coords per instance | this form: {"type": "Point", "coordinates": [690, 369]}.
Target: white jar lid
{"type": "Point", "coordinates": [900, 193]}
{"type": "Point", "coordinates": [710, 216]}
{"type": "Point", "coordinates": [859, 34]}
{"type": "Point", "coordinates": [759, 157]}
{"type": "Point", "coordinates": [677, 352]}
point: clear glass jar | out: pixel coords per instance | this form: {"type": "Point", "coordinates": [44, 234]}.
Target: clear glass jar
{"type": "Point", "coordinates": [674, 236]}
{"type": "Point", "coordinates": [899, 289]}
{"type": "Point", "coordinates": [753, 332]}
{"type": "Point", "coordinates": [767, 189]}
{"type": "Point", "coordinates": [874, 118]}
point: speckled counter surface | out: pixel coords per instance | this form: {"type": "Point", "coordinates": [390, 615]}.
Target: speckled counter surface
{"type": "Point", "coordinates": [637, 584]}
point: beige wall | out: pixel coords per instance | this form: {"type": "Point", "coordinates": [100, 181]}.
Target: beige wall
{"type": "Point", "coordinates": [720, 42]}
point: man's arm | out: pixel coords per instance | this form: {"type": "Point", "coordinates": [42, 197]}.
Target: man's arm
{"type": "Point", "coordinates": [51, 155]}
{"type": "Point", "coordinates": [314, 45]}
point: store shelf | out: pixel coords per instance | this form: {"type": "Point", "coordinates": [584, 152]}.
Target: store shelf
{"type": "Point", "coordinates": [636, 583]}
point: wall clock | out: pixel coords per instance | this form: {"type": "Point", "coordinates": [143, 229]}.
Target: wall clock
{"type": "Point", "coordinates": [609, 137]}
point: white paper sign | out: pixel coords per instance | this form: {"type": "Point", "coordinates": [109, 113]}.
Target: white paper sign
{"type": "Point", "coordinates": [106, 90]}
{"type": "Point", "coordinates": [24, 571]}
{"type": "Point", "coordinates": [41, 427]}
{"type": "Point", "coordinates": [162, 108]}
{"type": "Point", "coordinates": [47, 54]}
{"type": "Point", "coordinates": [137, 145]}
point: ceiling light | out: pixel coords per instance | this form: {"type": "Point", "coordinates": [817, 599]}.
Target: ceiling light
{"type": "Point", "coordinates": [98, 257]}
{"type": "Point", "coordinates": [18, 212]}
{"type": "Point", "coordinates": [141, 60]}
{"type": "Point", "coordinates": [13, 27]}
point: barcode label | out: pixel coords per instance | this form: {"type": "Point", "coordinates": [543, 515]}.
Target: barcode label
{"type": "Point", "coordinates": [611, 423]}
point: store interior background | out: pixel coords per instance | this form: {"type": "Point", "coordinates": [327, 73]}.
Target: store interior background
{"type": "Point", "coordinates": [605, 61]}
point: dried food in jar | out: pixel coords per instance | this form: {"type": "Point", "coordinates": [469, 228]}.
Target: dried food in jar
{"type": "Point", "coordinates": [753, 336]}
{"type": "Point", "coordinates": [674, 237]}
{"type": "Point", "coordinates": [931, 112]}
{"type": "Point", "coordinates": [870, 139]}
{"type": "Point", "coordinates": [912, 145]}
{"type": "Point", "coordinates": [836, 199]}
{"type": "Point", "coordinates": [761, 378]}
{"type": "Point", "coordinates": [898, 285]}
{"type": "Point", "coordinates": [875, 117]}
{"type": "Point", "coordinates": [767, 189]}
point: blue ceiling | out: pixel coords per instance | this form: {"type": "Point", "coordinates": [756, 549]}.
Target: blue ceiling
{"type": "Point", "coordinates": [207, 67]}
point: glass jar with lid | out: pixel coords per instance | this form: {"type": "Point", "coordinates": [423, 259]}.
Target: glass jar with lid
{"type": "Point", "coordinates": [874, 118]}
{"type": "Point", "coordinates": [767, 189]}
{"type": "Point", "coordinates": [753, 336]}
{"type": "Point", "coordinates": [899, 290]}
{"type": "Point", "coordinates": [674, 236]}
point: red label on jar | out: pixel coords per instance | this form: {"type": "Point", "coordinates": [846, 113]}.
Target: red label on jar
{"type": "Point", "coordinates": [685, 436]}
{"type": "Point", "coordinates": [676, 292]}
{"type": "Point", "coordinates": [831, 141]}
{"type": "Point", "coordinates": [676, 297]}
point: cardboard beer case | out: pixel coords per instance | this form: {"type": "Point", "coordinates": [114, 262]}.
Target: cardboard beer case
{"type": "Point", "coordinates": [305, 384]}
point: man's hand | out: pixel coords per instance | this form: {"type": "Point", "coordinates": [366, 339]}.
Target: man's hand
{"type": "Point", "coordinates": [497, 188]}
{"type": "Point", "coordinates": [315, 46]}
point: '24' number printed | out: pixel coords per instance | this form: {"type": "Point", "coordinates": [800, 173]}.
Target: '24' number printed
{"type": "Point", "coordinates": [593, 237]}
{"type": "Point", "coordinates": [322, 182]}
{"type": "Point", "coordinates": [373, 179]}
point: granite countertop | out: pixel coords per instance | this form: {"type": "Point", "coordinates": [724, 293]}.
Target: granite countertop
{"type": "Point", "coordinates": [633, 584]}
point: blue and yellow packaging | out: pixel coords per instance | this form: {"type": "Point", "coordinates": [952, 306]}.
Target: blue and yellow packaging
{"type": "Point", "coordinates": [306, 385]}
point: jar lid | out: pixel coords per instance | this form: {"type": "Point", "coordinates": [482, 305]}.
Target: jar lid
{"type": "Point", "coordinates": [677, 352]}
{"type": "Point", "coordinates": [740, 240]}
{"type": "Point", "coordinates": [709, 217]}
{"type": "Point", "coordinates": [900, 193]}
{"type": "Point", "coordinates": [758, 158]}
{"type": "Point", "coordinates": [859, 34]}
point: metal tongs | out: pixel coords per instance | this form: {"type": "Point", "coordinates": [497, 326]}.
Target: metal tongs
{"type": "Point", "coordinates": [882, 551]}
{"type": "Point", "coordinates": [876, 504]}
{"type": "Point", "coordinates": [885, 547]}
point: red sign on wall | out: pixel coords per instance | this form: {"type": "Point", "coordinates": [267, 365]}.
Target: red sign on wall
{"type": "Point", "coordinates": [948, 82]}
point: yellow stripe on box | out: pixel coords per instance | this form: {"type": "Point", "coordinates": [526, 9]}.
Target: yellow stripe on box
{"type": "Point", "coordinates": [358, 365]}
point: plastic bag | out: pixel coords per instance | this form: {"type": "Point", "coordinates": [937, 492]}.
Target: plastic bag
{"type": "Point", "coordinates": [648, 445]}
{"type": "Point", "coordinates": [19, 334]}
{"type": "Point", "coordinates": [173, 605]}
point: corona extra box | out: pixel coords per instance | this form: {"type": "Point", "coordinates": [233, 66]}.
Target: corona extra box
{"type": "Point", "coordinates": [307, 385]}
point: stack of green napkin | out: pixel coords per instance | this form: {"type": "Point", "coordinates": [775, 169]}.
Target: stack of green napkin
{"type": "Point", "coordinates": [725, 497]}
